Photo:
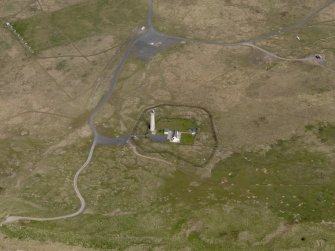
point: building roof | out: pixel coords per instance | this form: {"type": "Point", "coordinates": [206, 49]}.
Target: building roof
{"type": "Point", "coordinates": [193, 129]}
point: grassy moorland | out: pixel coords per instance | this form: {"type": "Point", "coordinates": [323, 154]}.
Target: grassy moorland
{"type": "Point", "coordinates": [50, 29]}
{"type": "Point", "coordinates": [258, 176]}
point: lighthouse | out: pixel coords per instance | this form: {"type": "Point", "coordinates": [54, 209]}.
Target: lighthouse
{"type": "Point", "coordinates": [152, 122]}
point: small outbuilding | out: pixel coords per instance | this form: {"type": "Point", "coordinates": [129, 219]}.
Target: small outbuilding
{"type": "Point", "coordinates": [193, 131]}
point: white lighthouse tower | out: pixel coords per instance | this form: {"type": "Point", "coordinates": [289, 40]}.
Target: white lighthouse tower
{"type": "Point", "coordinates": [152, 122]}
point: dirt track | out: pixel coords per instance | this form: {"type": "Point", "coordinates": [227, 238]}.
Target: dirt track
{"type": "Point", "coordinates": [143, 41]}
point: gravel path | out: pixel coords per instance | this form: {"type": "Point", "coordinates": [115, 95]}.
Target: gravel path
{"type": "Point", "coordinates": [143, 43]}
{"type": "Point", "coordinates": [11, 219]}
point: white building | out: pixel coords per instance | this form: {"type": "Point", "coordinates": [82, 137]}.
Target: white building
{"type": "Point", "coordinates": [152, 122]}
{"type": "Point", "coordinates": [175, 137]}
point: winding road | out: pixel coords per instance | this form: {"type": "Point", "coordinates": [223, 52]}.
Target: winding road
{"type": "Point", "coordinates": [144, 46]}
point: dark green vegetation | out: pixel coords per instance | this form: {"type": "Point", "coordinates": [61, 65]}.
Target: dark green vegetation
{"type": "Point", "coordinates": [326, 133]}
{"type": "Point", "coordinates": [174, 117]}
{"type": "Point", "coordinates": [256, 192]}
{"type": "Point", "coordinates": [193, 150]}
{"type": "Point", "coordinates": [39, 192]}
{"type": "Point", "coordinates": [294, 182]}
{"type": "Point", "coordinates": [187, 138]}
{"type": "Point", "coordinates": [179, 124]}
{"type": "Point", "coordinates": [248, 196]}
{"type": "Point", "coordinates": [82, 20]}
{"type": "Point", "coordinates": [98, 231]}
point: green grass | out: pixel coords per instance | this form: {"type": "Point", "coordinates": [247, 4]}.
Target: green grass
{"type": "Point", "coordinates": [180, 118]}
{"type": "Point", "coordinates": [258, 20]}
{"type": "Point", "coordinates": [117, 17]}
{"type": "Point", "coordinates": [77, 233]}
{"type": "Point", "coordinates": [294, 182]}
{"type": "Point", "coordinates": [187, 138]}
{"type": "Point", "coordinates": [15, 152]}
{"type": "Point", "coordinates": [176, 124]}
{"type": "Point", "coordinates": [326, 133]}
{"type": "Point", "coordinates": [164, 207]}
{"type": "Point", "coordinates": [220, 218]}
